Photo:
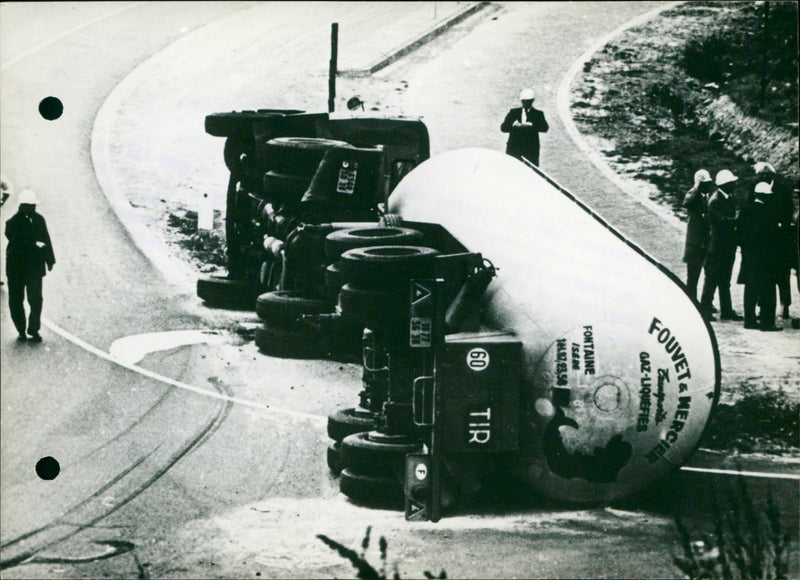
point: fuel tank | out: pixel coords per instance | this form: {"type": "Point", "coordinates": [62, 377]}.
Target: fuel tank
{"type": "Point", "coordinates": [621, 371]}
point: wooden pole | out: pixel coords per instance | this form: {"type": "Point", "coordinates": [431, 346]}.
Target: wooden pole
{"type": "Point", "coordinates": [333, 63]}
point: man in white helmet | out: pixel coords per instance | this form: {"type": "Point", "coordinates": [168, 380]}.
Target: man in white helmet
{"type": "Point", "coordinates": [523, 125]}
{"type": "Point", "coordinates": [722, 247]}
{"type": "Point", "coordinates": [760, 234]}
{"type": "Point", "coordinates": [697, 228]}
{"type": "Point", "coordinates": [29, 255]}
{"type": "Point", "coordinates": [786, 253]}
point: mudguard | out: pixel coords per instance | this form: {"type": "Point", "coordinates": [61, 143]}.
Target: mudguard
{"type": "Point", "coordinates": [621, 371]}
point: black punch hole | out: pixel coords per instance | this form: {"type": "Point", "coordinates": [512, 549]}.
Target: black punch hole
{"type": "Point", "coordinates": [51, 108]}
{"type": "Point", "coordinates": [47, 468]}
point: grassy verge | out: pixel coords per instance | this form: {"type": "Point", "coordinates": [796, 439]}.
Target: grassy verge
{"type": "Point", "coordinates": [763, 420]}
{"type": "Point", "coordinates": [745, 540]}
{"type": "Point", "coordinates": [705, 84]}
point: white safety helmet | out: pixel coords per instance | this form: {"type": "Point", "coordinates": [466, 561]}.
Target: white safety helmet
{"type": "Point", "coordinates": [763, 167]}
{"type": "Point", "coordinates": [725, 176]}
{"type": "Point", "coordinates": [27, 196]}
{"type": "Point", "coordinates": [700, 176]}
{"type": "Point", "coordinates": [763, 187]}
{"type": "Point", "coordinates": [526, 95]}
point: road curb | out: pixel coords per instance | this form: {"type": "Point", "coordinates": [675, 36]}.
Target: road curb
{"type": "Point", "coordinates": [562, 104]}
{"type": "Point", "coordinates": [414, 44]}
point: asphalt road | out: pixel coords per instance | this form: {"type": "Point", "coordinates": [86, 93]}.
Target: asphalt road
{"type": "Point", "coordinates": [158, 479]}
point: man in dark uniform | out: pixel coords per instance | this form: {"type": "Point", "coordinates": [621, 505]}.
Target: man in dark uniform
{"type": "Point", "coordinates": [523, 125]}
{"type": "Point", "coordinates": [28, 257]}
{"type": "Point", "coordinates": [722, 248]}
{"type": "Point", "coordinates": [697, 228]}
{"type": "Point", "coordinates": [786, 253]}
{"type": "Point", "coordinates": [761, 237]}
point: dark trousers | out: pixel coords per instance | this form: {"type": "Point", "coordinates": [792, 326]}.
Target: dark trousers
{"type": "Point", "coordinates": [785, 288]}
{"type": "Point", "coordinates": [692, 277]}
{"type": "Point", "coordinates": [719, 268]}
{"type": "Point", "coordinates": [18, 287]}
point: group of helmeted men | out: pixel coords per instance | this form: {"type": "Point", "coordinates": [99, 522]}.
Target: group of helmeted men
{"type": "Point", "coordinates": [764, 226]}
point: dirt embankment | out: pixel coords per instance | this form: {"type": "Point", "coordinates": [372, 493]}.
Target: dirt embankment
{"type": "Point", "coordinates": [691, 89]}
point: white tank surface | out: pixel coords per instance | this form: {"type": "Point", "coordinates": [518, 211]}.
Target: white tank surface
{"type": "Point", "coordinates": [621, 371]}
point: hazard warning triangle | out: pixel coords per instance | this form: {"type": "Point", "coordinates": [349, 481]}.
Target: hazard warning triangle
{"type": "Point", "coordinates": [419, 293]}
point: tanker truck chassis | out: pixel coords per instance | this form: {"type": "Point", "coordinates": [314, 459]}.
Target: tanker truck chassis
{"type": "Point", "coordinates": [503, 328]}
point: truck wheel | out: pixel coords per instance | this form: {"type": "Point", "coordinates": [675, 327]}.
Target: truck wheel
{"type": "Point", "coordinates": [363, 454]}
{"type": "Point", "coordinates": [232, 153]}
{"type": "Point", "coordinates": [284, 187]}
{"type": "Point", "coordinates": [346, 422]}
{"type": "Point", "coordinates": [387, 266]}
{"type": "Point", "coordinates": [372, 307]}
{"type": "Point", "coordinates": [334, 457]}
{"type": "Point", "coordinates": [333, 281]}
{"type": "Point", "coordinates": [298, 155]}
{"type": "Point", "coordinates": [371, 489]}
{"type": "Point", "coordinates": [233, 227]}
{"type": "Point", "coordinates": [288, 342]}
{"type": "Point", "coordinates": [286, 306]}
{"type": "Point", "coordinates": [338, 242]}
{"type": "Point", "coordinates": [222, 292]}
{"type": "Point", "coordinates": [270, 275]}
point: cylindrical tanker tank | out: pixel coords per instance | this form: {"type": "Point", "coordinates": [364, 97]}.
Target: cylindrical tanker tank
{"type": "Point", "coordinates": [621, 371]}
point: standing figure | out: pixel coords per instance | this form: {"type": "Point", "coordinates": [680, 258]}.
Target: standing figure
{"type": "Point", "coordinates": [760, 235]}
{"type": "Point", "coordinates": [722, 248]}
{"type": "Point", "coordinates": [786, 256]}
{"type": "Point", "coordinates": [28, 257]}
{"type": "Point", "coordinates": [697, 228]}
{"type": "Point", "coordinates": [523, 125]}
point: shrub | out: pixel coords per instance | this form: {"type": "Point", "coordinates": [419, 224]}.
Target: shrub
{"type": "Point", "coordinates": [747, 542]}
{"type": "Point", "coordinates": [770, 418]}
{"type": "Point", "coordinates": [365, 570]}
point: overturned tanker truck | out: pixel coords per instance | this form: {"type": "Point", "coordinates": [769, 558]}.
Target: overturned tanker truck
{"type": "Point", "coordinates": [506, 330]}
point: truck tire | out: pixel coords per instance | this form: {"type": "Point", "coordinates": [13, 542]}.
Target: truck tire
{"type": "Point", "coordinates": [284, 187]}
{"type": "Point", "coordinates": [270, 275]}
{"type": "Point", "coordinates": [345, 422]}
{"type": "Point", "coordinates": [232, 153]}
{"type": "Point", "coordinates": [374, 308]}
{"type": "Point", "coordinates": [288, 342]}
{"type": "Point", "coordinates": [362, 454]}
{"type": "Point", "coordinates": [334, 457]}
{"type": "Point", "coordinates": [333, 282]}
{"type": "Point", "coordinates": [223, 292]}
{"type": "Point", "coordinates": [284, 306]}
{"type": "Point", "coordinates": [387, 266]}
{"type": "Point", "coordinates": [233, 228]}
{"type": "Point", "coordinates": [371, 489]}
{"type": "Point", "coordinates": [240, 123]}
{"type": "Point", "coordinates": [297, 155]}
{"type": "Point", "coordinates": [338, 242]}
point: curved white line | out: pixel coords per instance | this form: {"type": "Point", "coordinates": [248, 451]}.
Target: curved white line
{"type": "Point", "coordinates": [744, 473]}
{"type": "Point", "coordinates": [562, 104]}
{"type": "Point", "coordinates": [58, 37]}
{"type": "Point", "coordinates": [308, 416]}
{"type": "Point", "coordinates": [161, 378]}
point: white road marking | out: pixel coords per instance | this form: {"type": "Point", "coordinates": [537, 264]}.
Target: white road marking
{"type": "Point", "coordinates": [743, 473]}
{"type": "Point", "coordinates": [308, 416]}
{"type": "Point", "coordinates": [191, 388]}
{"type": "Point", "coordinates": [55, 39]}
